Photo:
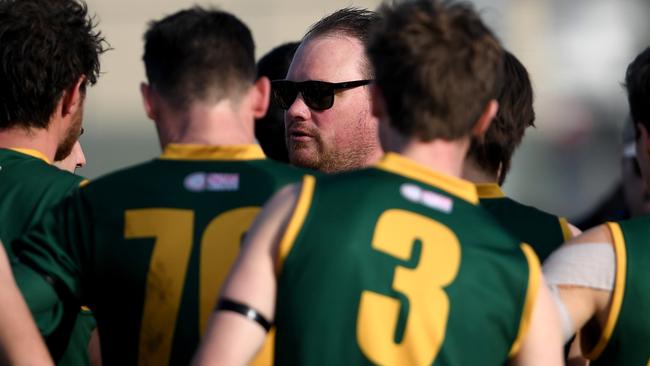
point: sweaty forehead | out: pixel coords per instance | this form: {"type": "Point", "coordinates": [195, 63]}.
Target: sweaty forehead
{"type": "Point", "coordinates": [333, 58]}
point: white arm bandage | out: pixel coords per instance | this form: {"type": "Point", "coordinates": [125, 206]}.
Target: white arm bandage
{"type": "Point", "coordinates": [591, 265]}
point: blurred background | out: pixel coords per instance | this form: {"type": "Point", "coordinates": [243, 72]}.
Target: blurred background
{"type": "Point", "coordinates": [576, 53]}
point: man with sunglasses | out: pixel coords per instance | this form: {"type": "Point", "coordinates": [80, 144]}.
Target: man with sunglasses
{"type": "Point", "coordinates": [329, 124]}
{"type": "Point", "coordinates": [601, 277]}
{"type": "Point", "coordinates": [396, 264]}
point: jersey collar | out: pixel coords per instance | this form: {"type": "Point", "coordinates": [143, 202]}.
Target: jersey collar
{"type": "Point", "coordinates": [31, 152]}
{"type": "Point", "coordinates": [395, 163]}
{"type": "Point", "coordinates": [206, 152]}
{"type": "Point", "coordinates": [489, 190]}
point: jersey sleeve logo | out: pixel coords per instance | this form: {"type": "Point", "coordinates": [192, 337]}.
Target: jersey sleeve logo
{"type": "Point", "coordinates": [433, 200]}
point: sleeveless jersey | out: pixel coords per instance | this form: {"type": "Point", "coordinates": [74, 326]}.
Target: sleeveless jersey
{"type": "Point", "coordinates": [543, 231]}
{"type": "Point", "coordinates": [148, 247]}
{"type": "Point", "coordinates": [625, 338]}
{"type": "Point", "coordinates": [399, 265]}
{"type": "Point", "coordinates": [30, 187]}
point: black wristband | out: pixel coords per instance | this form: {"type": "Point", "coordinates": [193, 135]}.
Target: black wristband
{"type": "Point", "coordinates": [245, 310]}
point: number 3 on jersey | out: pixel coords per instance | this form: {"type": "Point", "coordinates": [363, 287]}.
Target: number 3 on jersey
{"type": "Point", "coordinates": [395, 234]}
{"type": "Point", "coordinates": [174, 230]}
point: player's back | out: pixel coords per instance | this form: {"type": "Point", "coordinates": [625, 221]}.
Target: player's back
{"type": "Point", "coordinates": [624, 340]}
{"type": "Point", "coordinates": [29, 186]}
{"type": "Point", "coordinates": [543, 231]}
{"type": "Point", "coordinates": [398, 265]}
{"type": "Point", "coordinates": [154, 243]}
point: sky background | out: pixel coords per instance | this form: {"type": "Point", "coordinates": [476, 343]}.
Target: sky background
{"type": "Point", "coordinates": [575, 51]}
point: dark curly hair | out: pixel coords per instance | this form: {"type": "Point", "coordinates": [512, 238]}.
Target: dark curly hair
{"type": "Point", "coordinates": [515, 114]}
{"type": "Point", "coordinates": [45, 46]}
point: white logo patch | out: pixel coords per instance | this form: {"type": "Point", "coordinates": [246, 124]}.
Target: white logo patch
{"type": "Point", "coordinates": [213, 182]}
{"type": "Point", "coordinates": [430, 199]}
{"type": "Point", "coordinates": [195, 182]}
{"type": "Point", "coordinates": [223, 182]}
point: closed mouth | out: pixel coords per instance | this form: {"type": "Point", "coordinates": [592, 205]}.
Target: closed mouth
{"type": "Point", "coordinates": [300, 134]}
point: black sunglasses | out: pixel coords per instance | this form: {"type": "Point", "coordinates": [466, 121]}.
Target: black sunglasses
{"type": "Point", "coordinates": [318, 95]}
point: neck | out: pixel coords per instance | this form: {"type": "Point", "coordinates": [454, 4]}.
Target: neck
{"type": "Point", "coordinates": [203, 124]}
{"type": "Point", "coordinates": [473, 173]}
{"type": "Point", "coordinates": [442, 156]}
{"type": "Point", "coordinates": [39, 139]}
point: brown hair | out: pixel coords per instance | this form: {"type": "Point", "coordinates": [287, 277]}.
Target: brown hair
{"type": "Point", "coordinates": [45, 47]}
{"type": "Point", "coordinates": [437, 66]}
{"type": "Point", "coordinates": [350, 22]}
{"type": "Point", "coordinates": [515, 114]}
{"type": "Point", "coordinates": [199, 54]}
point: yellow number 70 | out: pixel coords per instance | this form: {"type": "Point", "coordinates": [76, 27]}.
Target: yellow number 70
{"type": "Point", "coordinates": [174, 231]}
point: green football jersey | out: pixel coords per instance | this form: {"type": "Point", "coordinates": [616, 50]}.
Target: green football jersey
{"type": "Point", "coordinates": [543, 231]}
{"type": "Point", "coordinates": [148, 247]}
{"type": "Point", "coordinates": [625, 338]}
{"type": "Point", "coordinates": [29, 187]}
{"type": "Point", "coordinates": [398, 265]}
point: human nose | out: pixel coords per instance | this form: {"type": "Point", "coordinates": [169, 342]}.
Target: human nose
{"type": "Point", "coordinates": [81, 158]}
{"type": "Point", "coordinates": [298, 110]}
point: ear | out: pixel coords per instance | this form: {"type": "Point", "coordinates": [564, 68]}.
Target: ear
{"type": "Point", "coordinates": [484, 121]}
{"type": "Point", "coordinates": [148, 101]}
{"type": "Point", "coordinates": [260, 94]}
{"type": "Point", "coordinates": [73, 97]}
{"type": "Point", "coordinates": [377, 102]}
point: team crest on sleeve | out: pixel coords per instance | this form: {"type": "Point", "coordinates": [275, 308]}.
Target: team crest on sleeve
{"type": "Point", "coordinates": [430, 199]}
{"type": "Point", "coordinates": [211, 182]}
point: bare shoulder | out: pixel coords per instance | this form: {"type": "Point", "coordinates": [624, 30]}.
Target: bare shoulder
{"type": "Point", "coordinates": [574, 230]}
{"type": "Point", "coordinates": [598, 234]}
{"type": "Point", "coordinates": [278, 208]}
{"type": "Point", "coordinates": [282, 203]}
{"type": "Point", "coordinates": [270, 225]}
{"type": "Point", "coordinates": [284, 198]}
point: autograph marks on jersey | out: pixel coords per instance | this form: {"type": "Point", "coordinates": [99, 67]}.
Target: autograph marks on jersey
{"type": "Point", "coordinates": [429, 199]}
{"type": "Point", "coordinates": [211, 182]}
